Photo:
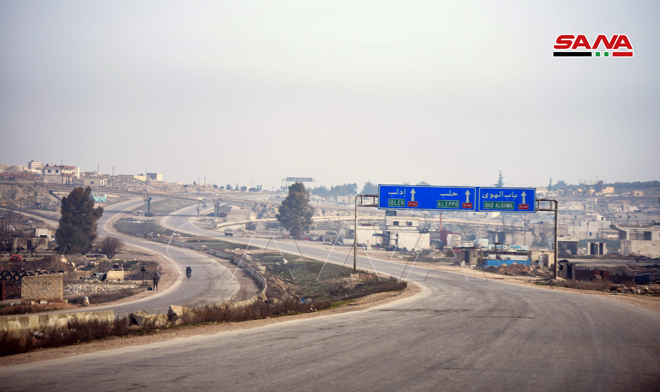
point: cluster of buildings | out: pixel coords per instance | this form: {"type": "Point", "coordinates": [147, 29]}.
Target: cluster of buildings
{"type": "Point", "coordinates": [17, 235]}
{"type": "Point", "coordinates": [71, 175]}
{"type": "Point", "coordinates": [593, 224]}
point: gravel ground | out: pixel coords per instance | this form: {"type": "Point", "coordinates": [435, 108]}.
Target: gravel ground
{"type": "Point", "coordinates": [95, 287]}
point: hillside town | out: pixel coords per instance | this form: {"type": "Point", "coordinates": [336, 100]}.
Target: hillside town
{"type": "Point", "coordinates": [618, 222]}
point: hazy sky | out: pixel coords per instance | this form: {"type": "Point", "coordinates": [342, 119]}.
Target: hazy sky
{"type": "Point", "coordinates": [447, 92]}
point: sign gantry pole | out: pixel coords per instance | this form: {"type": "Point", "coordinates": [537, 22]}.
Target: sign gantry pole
{"type": "Point", "coordinates": [554, 207]}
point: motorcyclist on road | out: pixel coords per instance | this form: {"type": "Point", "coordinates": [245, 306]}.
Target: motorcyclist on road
{"type": "Point", "coordinates": [188, 271]}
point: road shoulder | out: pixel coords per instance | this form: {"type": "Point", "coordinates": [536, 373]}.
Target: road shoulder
{"type": "Point", "coordinates": [643, 301]}
{"type": "Point", "coordinates": [169, 334]}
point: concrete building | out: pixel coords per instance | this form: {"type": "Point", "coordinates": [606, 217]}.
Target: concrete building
{"type": "Point", "coordinates": [154, 176]}
{"type": "Point", "coordinates": [596, 248]}
{"type": "Point", "coordinates": [639, 240]}
{"type": "Point", "coordinates": [409, 240]}
{"type": "Point", "coordinates": [404, 232]}
{"type": "Point", "coordinates": [567, 246]}
{"type": "Point", "coordinates": [71, 170]}
{"type": "Point", "coordinates": [40, 232]}
{"type": "Point", "coordinates": [545, 258]}
{"type": "Point", "coordinates": [510, 237]}
{"type": "Point", "coordinates": [636, 217]}
{"type": "Point", "coordinates": [116, 273]}
{"type": "Point", "coordinates": [60, 174]}
{"type": "Point", "coordinates": [93, 181]}
{"type": "Point", "coordinates": [588, 227]}
{"type": "Point", "coordinates": [369, 235]}
{"type": "Point", "coordinates": [34, 165]}
{"type": "Point", "coordinates": [403, 221]}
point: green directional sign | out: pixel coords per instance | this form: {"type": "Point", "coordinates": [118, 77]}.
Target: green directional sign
{"type": "Point", "coordinates": [499, 205]}
{"type": "Point", "coordinates": [448, 204]}
{"type": "Point", "coordinates": [396, 202]}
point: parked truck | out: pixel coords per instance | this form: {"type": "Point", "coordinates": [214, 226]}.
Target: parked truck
{"type": "Point", "coordinates": [16, 258]}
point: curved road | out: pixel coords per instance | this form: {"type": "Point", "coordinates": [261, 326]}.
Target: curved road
{"type": "Point", "coordinates": [457, 335]}
{"type": "Point", "coordinates": [211, 282]}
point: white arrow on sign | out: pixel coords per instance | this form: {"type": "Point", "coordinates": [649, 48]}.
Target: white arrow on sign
{"type": "Point", "coordinates": [467, 196]}
{"type": "Point", "coordinates": [523, 196]}
{"type": "Point", "coordinates": [412, 195]}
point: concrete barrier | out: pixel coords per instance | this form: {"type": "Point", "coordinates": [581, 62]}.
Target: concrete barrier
{"type": "Point", "coordinates": [142, 317]}
{"type": "Point", "coordinates": [29, 323]}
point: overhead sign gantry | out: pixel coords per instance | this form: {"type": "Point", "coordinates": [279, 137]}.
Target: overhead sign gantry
{"type": "Point", "coordinates": [456, 198]}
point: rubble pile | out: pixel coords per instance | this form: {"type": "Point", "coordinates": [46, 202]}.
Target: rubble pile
{"type": "Point", "coordinates": [91, 288]}
{"type": "Point", "coordinates": [513, 269]}
{"type": "Point", "coordinates": [541, 271]}
{"type": "Point", "coordinates": [633, 290]}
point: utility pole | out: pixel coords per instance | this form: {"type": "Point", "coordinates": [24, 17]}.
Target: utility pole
{"type": "Point", "coordinates": [373, 204]}
{"type": "Point", "coordinates": [355, 236]}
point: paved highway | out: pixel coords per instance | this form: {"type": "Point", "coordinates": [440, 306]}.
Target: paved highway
{"type": "Point", "coordinates": [211, 282]}
{"type": "Point", "coordinates": [457, 335]}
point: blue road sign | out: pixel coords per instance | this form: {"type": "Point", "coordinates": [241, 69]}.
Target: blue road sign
{"type": "Point", "coordinates": [417, 197]}
{"type": "Point", "coordinates": [507, 199]}
{"type": "Point", "coordinates": [456, 198]}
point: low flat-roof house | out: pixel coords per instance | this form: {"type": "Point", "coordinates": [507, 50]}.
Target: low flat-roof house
{"type": "Point", "coordinates": [60, 174]}
{"type": "Point", "coordinates": [640, 240]}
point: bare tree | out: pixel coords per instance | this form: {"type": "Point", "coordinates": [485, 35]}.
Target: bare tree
{"type": "Point", "coordinates": [33, 243]}
{"type": "Point", "coordinates": [20, 243]}
{"type": "Point", "coordinates": [110, 246]}
{"type": "Point", "coordinates": [6, 242]}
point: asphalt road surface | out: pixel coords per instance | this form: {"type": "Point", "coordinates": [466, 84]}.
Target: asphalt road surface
{"type": "Point", "coordinates": [210, 282]}
{"type": "Point", "coordinates": [456, 335]}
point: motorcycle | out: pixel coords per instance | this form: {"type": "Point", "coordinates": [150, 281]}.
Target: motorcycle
{"type": "Point", "coordinates": [188, 272]}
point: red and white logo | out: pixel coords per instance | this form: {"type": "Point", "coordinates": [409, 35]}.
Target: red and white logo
{"type": "Point", "coordinates": [569, 45]}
